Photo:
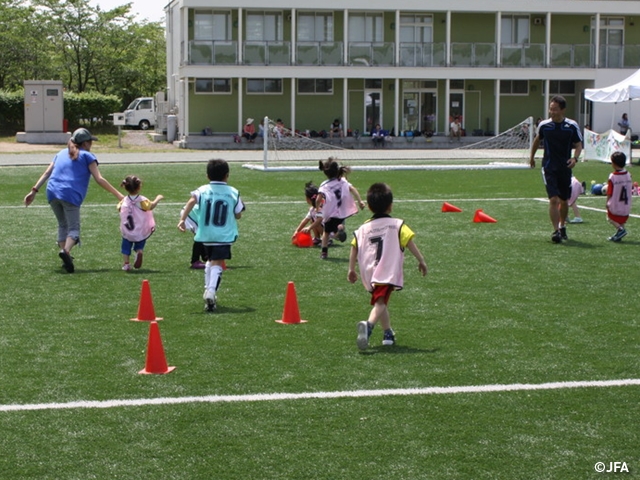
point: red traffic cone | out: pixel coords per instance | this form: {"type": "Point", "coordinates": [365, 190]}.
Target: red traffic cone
{"type": "Point", "coordinates": [481, 217]}
{"type": "Point", "coordinates": [447, 207]}
{"type": "Point", "coordinates": [156, 362]}
{"type": "Point", "coordinates": [291, 313]}
{"type": "Point", "coordinates": [146, 311]}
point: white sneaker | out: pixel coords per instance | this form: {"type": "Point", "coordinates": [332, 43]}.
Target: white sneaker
{"type": "Point", "coordinates": [126, 267]}
{"type": "Point", "coordinates": [363, 335]}
{"type": "Point", "coordinates": [576, 220]}
{"type": "Point", "coordinates": [209, 300]}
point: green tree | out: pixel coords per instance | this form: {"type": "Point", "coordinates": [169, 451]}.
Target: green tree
{"type": "Point", "coordinates": [22, 58]}
{"type": "Point", "coordinates": [105, 51]}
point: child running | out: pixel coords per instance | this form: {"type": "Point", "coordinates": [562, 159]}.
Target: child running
{"type": "Point", "coordinates": [334, 203]}
{"type": "Point", "coordinates": [219, 208]}
{"type": "Point", "coordinates": [198, 254]}
{"type": "Point", "coordinates": [619, 195]}
{"type": "Point", "coordinates": [310, 194]}
{"type": "Point", "coordinates": [577, 189]}
{"type": "Point", "coordinates": [136, 221]}
{"type": "Point", "coordinates": [378, 248]}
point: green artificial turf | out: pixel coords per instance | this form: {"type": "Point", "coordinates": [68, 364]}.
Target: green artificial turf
{"type": "Point", "coordinates": [501, 305]}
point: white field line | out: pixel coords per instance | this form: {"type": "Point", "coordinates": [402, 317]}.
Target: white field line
{"type": "Point", "coordinates": [289, 202]}
{"type": "Point", "coordinates": [270, 397]}
{"type": "Point", "coordinates": [593, 209]}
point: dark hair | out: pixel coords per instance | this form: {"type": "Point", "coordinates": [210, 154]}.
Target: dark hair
{"type": "Point", "coordinates": [131, 183]}
{"type": "Point", "coordinates": [379, 198]}
{"type": "Point", "coordinates": [619, 159]}
{"type": "Point", "coordinates": [310, 191]}
{"type": "Point", "coordinates": [560, 100]}
{"type": "Point", "coordinates": [217, 170]}
{"type": "Point", "coordinates": [332, 168]}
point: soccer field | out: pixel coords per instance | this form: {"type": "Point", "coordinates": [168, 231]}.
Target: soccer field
{"type": "Point", "coordinates": [479, 385]}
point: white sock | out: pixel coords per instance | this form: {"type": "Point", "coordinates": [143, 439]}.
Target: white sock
{"type": "Point", "coordinates": [213, 275]}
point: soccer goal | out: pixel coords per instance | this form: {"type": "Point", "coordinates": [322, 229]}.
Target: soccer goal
{"type": "Point", "coordinates": [287, 150]}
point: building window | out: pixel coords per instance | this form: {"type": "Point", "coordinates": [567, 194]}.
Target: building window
{"type": "Point", "coordinates": [315, 27]}
{"type": "Point", "coordinates": [373, 83]}
{"type": "Point", "coordinates": [211, 25]}
{"type": "Point", "coordinates": [514, 87]}
{"type": "Point", "coordinates": [416, 28]}
{"type": "Point", "coordinates": [561, 87]}
{"type": "Point", "coordinates": [366, 27]}
{"type": "Point", "coordinates": [515, 29]}
{"type": "Point", "coordinates": [264, 27]}
{"type": "Point", "coordinates": [212, 85]}
{"type": "Point", "coordinates": [264, 85]}
{"type": "Point", "coordinates": [315, 85]}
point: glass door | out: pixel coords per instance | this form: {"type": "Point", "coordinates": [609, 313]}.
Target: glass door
{"type": "Point", "coordinates": [373, 109]}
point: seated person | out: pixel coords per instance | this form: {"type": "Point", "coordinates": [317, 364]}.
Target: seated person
{"type": "Point", "coordinates": [249, 130]}
{"type": "Point", "coordinates": [378, 136]}
{"type": "Point", "coordinates": [455, 129]}
{"type": "Point", "coordinates": [335, 130]}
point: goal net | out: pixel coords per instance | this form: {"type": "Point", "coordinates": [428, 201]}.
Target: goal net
{"type": "Point", "coordinates": [284, 149]}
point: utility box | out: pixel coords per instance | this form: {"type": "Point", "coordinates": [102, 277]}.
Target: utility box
{"type": "Point", "coordinates": [43, 113]}
{"type": "Point", "coordinates": [43, 106]}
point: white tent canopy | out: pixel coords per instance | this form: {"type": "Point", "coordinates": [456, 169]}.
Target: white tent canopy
{"type": "Point", "coordinates": [627, 89]}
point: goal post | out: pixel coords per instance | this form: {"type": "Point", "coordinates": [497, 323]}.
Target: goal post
{"type": "Point", "coordinates": [283, 147]}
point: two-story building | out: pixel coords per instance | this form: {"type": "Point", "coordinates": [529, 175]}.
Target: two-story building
{"type": "Point", "coordinates": [408, 67]}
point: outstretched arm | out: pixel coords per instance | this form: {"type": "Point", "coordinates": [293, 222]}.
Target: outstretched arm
{"type": "Point", "coordinates": [30, 197]}
{"type": "Point", "coordinates": [103, 182]}
{"type": "Point", "coordinates": [422, 265]}
{"type": "Point", "coordinates": [185, 213]}
{"type": "Point", "coordinates": [352, 276]}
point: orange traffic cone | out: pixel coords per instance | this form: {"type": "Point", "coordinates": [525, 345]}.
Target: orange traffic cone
{"type": "Point", "coordinates": [447, 207]}
{"type": "Point", "coordinates": [146, 311]}
{"type": "Point", "coordinates": [481, 217]}
{"type": "Point", "coordinates": [291, 313]}
{"type": "Point", "coordinates": [156, 361]}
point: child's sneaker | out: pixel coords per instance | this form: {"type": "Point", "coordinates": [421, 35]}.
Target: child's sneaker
{"type": "Point", "coordinates": [126, 267]}
{"type": "Point", "coordinates": [317, 241]}
{"type": "Point", "coordinates": [67, 261]}
{"type": "Point", "coordinates": [138, 262]}
{"type": "Point", "coordinates": [563, 233]}
{"type": "Point", "coordinates": [209, 300]}
{"type": "Point", "coordinates": [198, 265]}
{"type": "Point", "coordinates": [364, 332]}
{"type": "Point", "coordinates": [323, 256]}
{"type": "Point", "coordinates": [389, 338]}
{"type": "Point", "coordinates": [576, 220]}
{"type": "Point", "coordinates": [619, 235]}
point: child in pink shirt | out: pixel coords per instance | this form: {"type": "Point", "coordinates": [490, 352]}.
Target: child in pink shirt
{"type": "Point", "coordinates": [136, 220]}
{"type": "Point", "coordinates": [378, 248]}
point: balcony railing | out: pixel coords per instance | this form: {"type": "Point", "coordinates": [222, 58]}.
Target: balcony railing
{"type": "Point", "coordinates": [267, 53]}
{"type": "Point", "coordinates": [473, 54]}
{"type": "Point", "coordinates": [213, 52]}
{"type": "Point", "coordinates": [422, 55]}
{"type": "Point", "coordinates": [523, 55]}
{"type": "Point", "coordinates": [376, 54]}
{"type": "Point", "coordinates": [319, 53]}
{"type": "Point", "coordinates": [371, 54]}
